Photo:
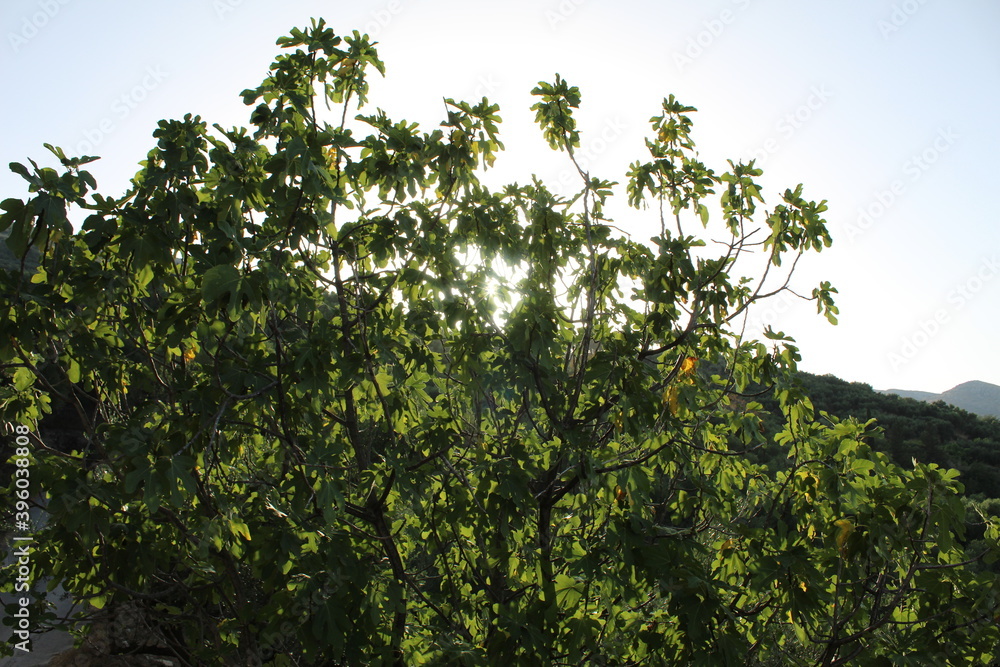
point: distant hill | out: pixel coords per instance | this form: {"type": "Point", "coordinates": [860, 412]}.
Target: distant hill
{"type": "Point", "coordinates": [927, 396]}
{"type": "Point", "coordinates": [981, 398]}
{"type": "Point", "coordinates": [10, 261]}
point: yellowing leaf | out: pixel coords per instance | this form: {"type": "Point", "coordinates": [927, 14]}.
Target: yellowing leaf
{"type": "Point", "coordinates": [688, 365]}
{"type": "Point", "coordinates": [670, 399]}
{"type": "Point", "coordinates": [844, 529]}
{"type": "Point", "coordinates": [239, 528]}
{"type": "Point", "coordinates": [810, 481]}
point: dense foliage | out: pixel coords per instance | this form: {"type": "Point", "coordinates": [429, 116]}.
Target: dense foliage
{"type": "Point", "coordinates": [343, 404]}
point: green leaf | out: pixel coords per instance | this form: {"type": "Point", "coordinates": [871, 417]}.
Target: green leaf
{"type": "Point", "coordinates": [73, 371]}
{"type": "Point", "coordinates": [862, 466]}
{"type": "Point", "coordinates": [568, 590]}
{"type": "Point", "coordinates": [220, 281]}
{"type": "Point", "coordinates": [23, 378]}
{"type": "Point", "coordinates": [134, 477]}
{"type": "Point", "coordinates": [145, 275]}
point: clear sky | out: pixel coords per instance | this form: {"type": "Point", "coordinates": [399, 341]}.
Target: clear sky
{"type": "Point", "coordinates": [887, 109]}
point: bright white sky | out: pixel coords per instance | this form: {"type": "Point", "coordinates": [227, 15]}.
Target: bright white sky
{"type": "Point", "coordinates": [888, 109]}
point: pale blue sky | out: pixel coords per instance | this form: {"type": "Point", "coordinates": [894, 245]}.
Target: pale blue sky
{"type": "Point", "coordinates": [884, 108]}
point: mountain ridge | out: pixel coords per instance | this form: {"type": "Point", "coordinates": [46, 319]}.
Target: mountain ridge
{"type": "Point", "coordinates": [976, 396]}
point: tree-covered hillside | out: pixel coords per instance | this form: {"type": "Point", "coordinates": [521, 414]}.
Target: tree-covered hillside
{"type": "Point", "coordinates": [910, 429]}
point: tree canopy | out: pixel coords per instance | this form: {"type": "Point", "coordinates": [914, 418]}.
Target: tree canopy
{"type": "Point", "coordinates": [341, 403]}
